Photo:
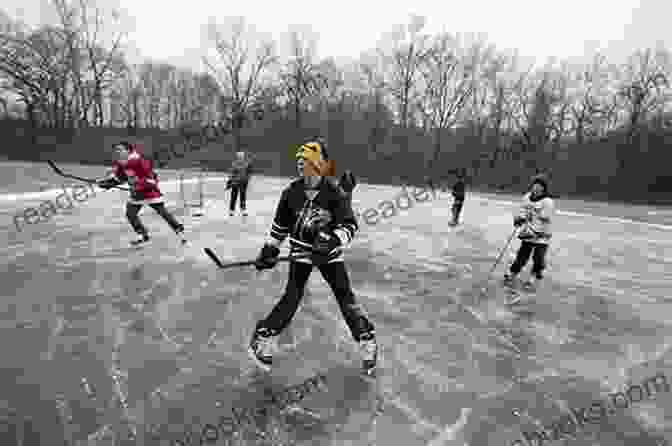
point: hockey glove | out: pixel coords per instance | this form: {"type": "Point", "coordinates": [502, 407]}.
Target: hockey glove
{"type": "Point", "coordinates": [348, 182]}
{"type": "Point", "coordinates": [323, 246]}
{"type": "Point", "coordinates": [268, 257]}
{"type": "Point", "coordinates": [518, 221]}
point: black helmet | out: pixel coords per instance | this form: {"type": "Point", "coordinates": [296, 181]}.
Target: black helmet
{"type": "Point", "coordinates": [541, 179]}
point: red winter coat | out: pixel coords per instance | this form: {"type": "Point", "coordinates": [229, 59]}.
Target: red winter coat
{"type": "Point", "coordinates": [140, 175]}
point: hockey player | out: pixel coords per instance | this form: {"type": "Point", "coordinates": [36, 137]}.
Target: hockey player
{"type": "Point", "coordinates": [238, 182]}
{"type": "Point", "coordinates": [318, 220]}
{"type": "Point", "coordinates": [458, 197]}
{"type": "Point", "coordinates": [137, 171]}
{"type": "Point", "coordinates": [534, 221]}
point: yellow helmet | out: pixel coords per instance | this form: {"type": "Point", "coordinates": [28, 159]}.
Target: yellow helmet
{"type": "Point", "coordinates": [311, 150]}
{"type": "Point", "coordinates": [316, 155]}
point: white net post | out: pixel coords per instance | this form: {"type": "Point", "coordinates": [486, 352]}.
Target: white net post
{"type": "Point", "coordinates": [201, 201]}
{"type": "Point", "coordinates": [183, 196]}
{"type": "Point", "coordinates": [189, 201]}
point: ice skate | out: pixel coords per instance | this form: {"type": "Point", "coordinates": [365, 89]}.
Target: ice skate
{"type": "Point", "coordinates": [144, 238]}
{"type": "Point", "coordinates": [261, 349]}
{"type": "Point", "coordinates": [369, 350]}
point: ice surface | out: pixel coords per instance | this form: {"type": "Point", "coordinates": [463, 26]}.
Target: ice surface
{"type": "Point", "coordinates": [164, 331]}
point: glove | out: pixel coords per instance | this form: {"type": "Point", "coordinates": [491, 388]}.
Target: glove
{"type": "Point", "coordinates": [268, 257]}
{"type": "Point", "coordinates": [229, 184]}
{"type": "Point", "coordinates": [348, 182]}
{"type": "Point", "coordinates": [324, 244]}
{"type": "Point", "coordinates": [518, 221]}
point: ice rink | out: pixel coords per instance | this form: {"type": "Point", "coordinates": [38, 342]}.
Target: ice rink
{"type": "Point", "coordinates": [99, 340]}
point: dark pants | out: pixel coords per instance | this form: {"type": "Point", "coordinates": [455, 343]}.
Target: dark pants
{"type": "Point", "coordinates": [457, 209]}
{"type": "Point", "coordinates": [240, 188]}
{"type": "Point", "coordinates": [132, 211]}
{"type": "Point", "coordinates": [337, 277]}
{"type": "Point", "coordinates": [538, 252]}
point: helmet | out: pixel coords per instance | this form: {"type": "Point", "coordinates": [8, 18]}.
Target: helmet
{"type": "Point", "coordinates": [541, 179]}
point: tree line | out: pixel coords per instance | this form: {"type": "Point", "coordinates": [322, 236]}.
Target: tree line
{"type": "Point", "coordinates": [417, 102]}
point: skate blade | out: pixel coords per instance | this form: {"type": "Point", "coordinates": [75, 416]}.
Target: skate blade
{"type": "Point", "coordinates": [514, 301]}
{"type": "Point", "coordinates": [255, 360]}
{"type": "Point", "coordinates": [370, 372]}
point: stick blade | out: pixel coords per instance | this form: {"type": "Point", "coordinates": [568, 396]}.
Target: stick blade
{"type": "Point", "coordinates": [214, 257]}
{"type": "Point", "coordinates": [55, 167]}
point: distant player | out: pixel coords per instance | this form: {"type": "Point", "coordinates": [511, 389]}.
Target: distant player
{"type": "Point", "coordinates": [458, 197]}
{"type": "Point", "coordinates": [241, 169]}
{"type": "Point", "coordinates": [137, 171]}
{"type": "Point", "coordinates": [319, 221]}
{"type": "Point", "coordinates": [534, 220]}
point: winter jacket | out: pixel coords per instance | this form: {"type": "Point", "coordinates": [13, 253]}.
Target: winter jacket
{"type": "Point", "coordinates": [458, 190]}
{"type": "Point", "coordinates": [138, 172]}
{"type": "Point", "coordinates": [302, 219]}
{"type": "Point", "coordinates": [537, 213]}
{"type": "Point", "coordinates": [240, 171]}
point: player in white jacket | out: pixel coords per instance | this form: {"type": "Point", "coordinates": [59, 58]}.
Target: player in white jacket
{"type": "Point", "coordinates": [534, 220]}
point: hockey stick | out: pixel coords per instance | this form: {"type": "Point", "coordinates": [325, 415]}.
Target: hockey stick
{"type": "Point", "coordinates": [75, 177]}
{"type": "Point", "coordinates": [501, 254]}
{"type": "Point", "coordinates": [221, 265]}
{"type": "Point", "coordinates": [494, 266]}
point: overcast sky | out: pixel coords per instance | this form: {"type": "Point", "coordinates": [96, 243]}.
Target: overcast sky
{"type": "Point", "coordinates": [539, 29]}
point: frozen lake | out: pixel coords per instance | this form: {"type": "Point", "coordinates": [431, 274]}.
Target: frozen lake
{"type": "Point", "coordinates": [163, 328]}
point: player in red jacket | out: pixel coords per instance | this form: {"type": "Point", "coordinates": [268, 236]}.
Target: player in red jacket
{"type": "Point", "coordinates": [137, 171]}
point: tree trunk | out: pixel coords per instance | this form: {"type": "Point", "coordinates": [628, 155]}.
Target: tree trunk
{"type": "Point", "coordinates": [437, 145]}
{"type": "Point", "coordinates": [579, 131]}
{"type": "Point", "coordinates": [297, 113]}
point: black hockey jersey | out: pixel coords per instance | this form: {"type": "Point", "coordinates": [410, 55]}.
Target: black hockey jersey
{"type": "Point", "coordinates": [302, 218]}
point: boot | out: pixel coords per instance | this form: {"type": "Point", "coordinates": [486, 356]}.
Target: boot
{"type": "Point", "coordinates": [261, 348]}
{"type": "Point", "coordinates": [180, 233]}
{"type": "Point", "coordinates": [144, 238]}
{"type": "Point", "coordinates": [369, 350]}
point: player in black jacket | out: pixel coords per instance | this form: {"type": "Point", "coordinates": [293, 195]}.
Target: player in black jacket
{"type": "Point", "coordinates": [458, 197]}
{"type": "Point", "coordinates": [317, 217]}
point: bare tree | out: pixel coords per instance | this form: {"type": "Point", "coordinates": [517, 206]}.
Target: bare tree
{"type": "Point", "coordinates": [500, 83]}
{"type": "Point", "coordinates": [534, 100]}
{"type": "Point", "coordinates": [484, 61]}
{"type": "Point", "coordinates": [61, 72]}
{"type": "Point", "coordinates": [330, 81]}
{"type": "Point", "coordinates": [127, 100]}
{"type": "Point", "coordinates": [37, 64]}
{"type": "Point", "coordinates": [242, 60]}
{"type": "Point", "coordinates": [183, 91]}
{"type": "Point", "coordinates": [95, 65]}
{"type": "Point", "coordinates": [591, 98]}
{"type": "Point", "coordinates": [647, 75]}
{"type": "Point", "coordinates": [448, 80]}
{"type": "Point", "coordinates": [372, 67]}
{"type": "Point", "coordinates": [409, 50]}
{"type": "Point", "coordinates": [300, 76]}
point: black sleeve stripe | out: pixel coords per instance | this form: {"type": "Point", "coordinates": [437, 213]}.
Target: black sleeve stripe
{"type": "Point", "coordinates": [279, 235]}
{"type": "Point", "coordinates": [348, 230]}
{"type": "Point", "coordinates": [351, 228]}
{"type": "Point", "coordinates": [273, 230]}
